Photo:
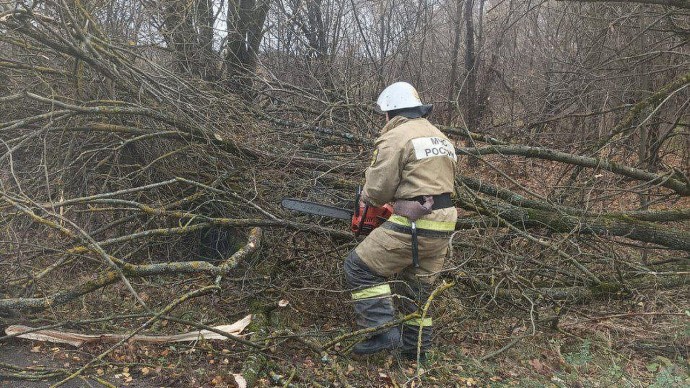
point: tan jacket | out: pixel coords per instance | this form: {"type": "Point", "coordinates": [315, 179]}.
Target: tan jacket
{"type": "Point", "coordinates": [412, 158]}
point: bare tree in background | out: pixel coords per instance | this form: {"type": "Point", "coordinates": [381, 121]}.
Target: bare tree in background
{"type": "Point", "coordinates": [217, 41]}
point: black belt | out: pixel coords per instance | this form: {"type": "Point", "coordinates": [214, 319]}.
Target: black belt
{"type": "Point", "coordinates": [441, 201]}
{"type": "Point", "coordinates": [420, 232]}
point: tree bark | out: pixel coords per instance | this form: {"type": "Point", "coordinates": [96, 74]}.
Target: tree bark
{"type": "Point", "coordinates": [604, 225]}
{"type": "Point", "coordinates": [672, 179]}
{"type": "Point", "coordinates": [672, 3]}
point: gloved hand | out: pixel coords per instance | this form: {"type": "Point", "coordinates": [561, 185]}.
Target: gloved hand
{"type": "Point", "coordinates": [413, 210]}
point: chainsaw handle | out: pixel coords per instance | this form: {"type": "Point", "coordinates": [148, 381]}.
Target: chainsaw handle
{"type": "Point", "coordinates": [358, 196]}
{"type": "Point", "coordinates": [362, 218]}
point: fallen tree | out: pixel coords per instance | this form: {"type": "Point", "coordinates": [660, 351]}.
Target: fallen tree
{"type": "Point", "coordinates": [158, 127]}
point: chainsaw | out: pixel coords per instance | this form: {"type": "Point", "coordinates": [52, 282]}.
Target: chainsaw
{"type": "Point", "coordinates": [363, 218]}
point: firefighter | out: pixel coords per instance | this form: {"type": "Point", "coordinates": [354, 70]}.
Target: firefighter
{"type": "Point", "coordinates": [413, 167]}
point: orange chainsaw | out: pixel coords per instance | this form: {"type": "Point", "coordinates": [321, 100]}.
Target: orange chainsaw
{"type": "Point", "coordinates": [363, 218]}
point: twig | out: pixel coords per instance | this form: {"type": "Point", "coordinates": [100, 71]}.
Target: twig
{"type": "Point", "coordinates": [164, 311]}
{"type": "Point", "coordinates": [501, 350]}
{"type": "Point", "coordinates": [425, 310]}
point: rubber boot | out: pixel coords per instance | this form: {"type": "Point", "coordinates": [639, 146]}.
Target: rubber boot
{"type": "Point", "coordinates": [410, 336]}
{"type": "Point", "coordinates": [373, 306]}
{"type": "Point", "coordinates": [416, 294]}
{"type": "Point", "coordinates": [373, 312]}
{"type": "Point", "coordinates": [388, 340]}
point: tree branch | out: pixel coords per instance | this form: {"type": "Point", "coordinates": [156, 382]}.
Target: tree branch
{"type": "Point", "coordinates": [670, 180]}
{"type": "Point", "coordinates": [671, 3]}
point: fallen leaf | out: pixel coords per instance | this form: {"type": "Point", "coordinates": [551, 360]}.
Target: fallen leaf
{"type": "Point", "coordinates": [239, 380]}
{"type": "Point", "coordinates": [538, 366]}
{"type": "Point", "coordinates": [385, 377]}
{"type": "Point", "coordinates": [218, 380]}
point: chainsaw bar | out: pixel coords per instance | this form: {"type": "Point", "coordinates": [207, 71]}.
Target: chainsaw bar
{"type": "Point", "coordinates": [316, 208]}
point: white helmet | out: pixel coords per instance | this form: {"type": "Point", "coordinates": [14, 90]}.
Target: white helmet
{"type": "Point", "coordinates": [399, 95]}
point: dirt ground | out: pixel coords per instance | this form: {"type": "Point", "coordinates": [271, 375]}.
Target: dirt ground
{"type": "Point", "coordinates": [639, 340]}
